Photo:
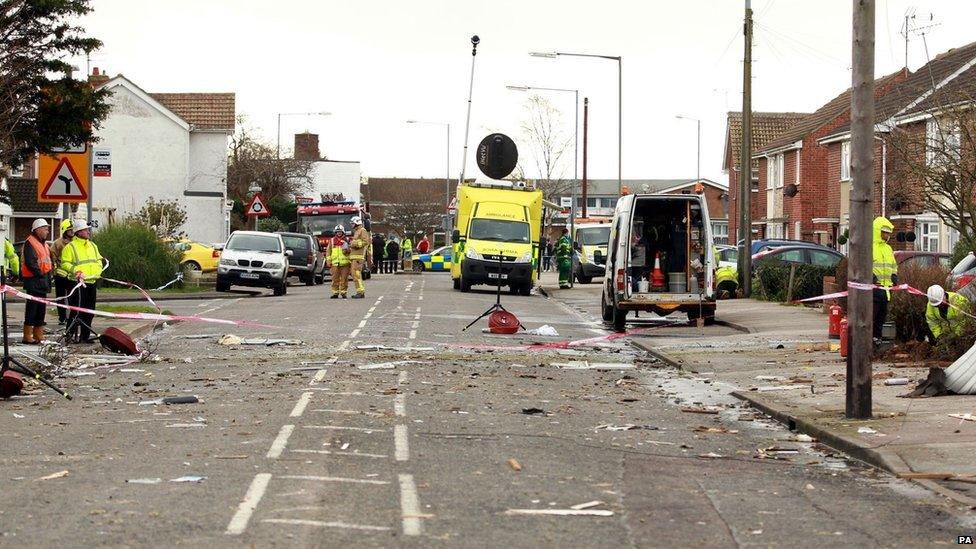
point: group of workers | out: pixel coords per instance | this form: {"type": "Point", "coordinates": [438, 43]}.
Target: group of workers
{"type": "Point", "coordinates": [389, 251]}
{"type": "Point", "coordinates": [346, 256]}
{"type": "Point", "coordinates": [72, 264]}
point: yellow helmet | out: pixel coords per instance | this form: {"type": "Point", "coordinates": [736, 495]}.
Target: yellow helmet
{"type": "Point", "coordinates": [65, 226]}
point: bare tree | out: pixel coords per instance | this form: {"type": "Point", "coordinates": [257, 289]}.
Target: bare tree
{"type": "Point", "coordinates": [548, 143]}
{"type": "Point", "coordinates": [412, 212]}
{"type": "Point", "coordinates": [934, 164]}
{"type": "Point", "coordinates": [254, 161]}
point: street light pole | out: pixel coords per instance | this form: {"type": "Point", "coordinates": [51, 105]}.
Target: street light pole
{"type": "Point", "coordinates": [447, 177]}
{"type": "Point", "coordinates": [620, 102]}
{"type": "Point", "coordinates": [280, 114]}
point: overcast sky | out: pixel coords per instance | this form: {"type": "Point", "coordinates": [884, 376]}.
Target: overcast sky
{"type": "Point", "coordinates": [376, 63]}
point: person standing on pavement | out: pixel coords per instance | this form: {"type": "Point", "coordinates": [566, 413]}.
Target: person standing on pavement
{"type": "Point", "coordinates": [358, 245]}
{"type": "Point", "coordinates": [392, 254]}
{"type": "Point", "coordinates": [944, 311]}
{"type": "Point", "coordinates": [884, 271]}
{"type": "Point", "coordinates": [423, 246]}
{"type": "Point", "coordinates": [546, 254]}
{"type": "Point", "coordinates": [406, 248]}
{"type": "Point", "coordinates": [11, 263]}
{"type": "Point", "coordinates": [61, 283]}
{"type": "Point", "coordinates": [378, 244]}
{"type": "Point", "coordinates": [82, 261]}
{"type": "Point", "coordinates": [35, 269]}
{"type": "Point", "coordinates": [564, 259]}
{"type": "Point", "coordinates": [337, 258]}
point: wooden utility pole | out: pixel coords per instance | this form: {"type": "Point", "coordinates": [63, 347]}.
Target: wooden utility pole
{"type": "Point", "coordinates": [745, 163]}
{"type": "Point", "coordinates": [860, 259]}
{"type": "Point", "coordinates": [586, 118]}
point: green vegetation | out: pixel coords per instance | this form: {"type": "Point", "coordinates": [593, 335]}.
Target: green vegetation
{"type": "Point", "coordinates": [137, 255]}
{"type": "Point", "coordinates": [772, 280]}
{"type": "Point", "coordinates": [127, 308]}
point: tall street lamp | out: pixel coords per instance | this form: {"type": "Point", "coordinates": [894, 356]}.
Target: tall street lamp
{"type": "Point", "coordinates": [572, 209]}
{"type": "Point", "coordinates": [620, 101]}
{"type": "Point", "coordinates": [698, 165]}
{"type": "Point", "coordinates": [280, 114]}
{"type": "Point", "coordinates": [447, 176]}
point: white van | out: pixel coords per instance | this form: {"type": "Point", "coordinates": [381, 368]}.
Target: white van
{"type": "Point", "coordinates": [674, 229]}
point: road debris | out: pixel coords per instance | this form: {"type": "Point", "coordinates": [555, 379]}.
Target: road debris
{"type": "Point", "coordinates": [711, 455]}
{"type": "Point", "coordinates": [897, 381]}
{"type": "Point", "coordinates": [770, 378]}
{"type": "Point", "coordinates": [544, 330]}
{"type": "Point", "coordinates": [705, 410]}
{"type": "Point", "coordinates": [587, 505]}
{"type": "Point", "coordinates": [768, 388]}
{"type": "Point", "coordinates": [143, 481]}
{"type": "Point", "coordinates": [231, 339]}
{"type": "Point", "coordinates": [514, 464]}
{"type": "Point", "coordinates": [866, 431]}
{"type": "Point", "coordinates": [585, 365]}
{"type": "Point", "coordinates": [561, 512]}
{"type": "Point", "coordinates": [963, 417]}
{"type": "Point", "coordinates": [189, 478]}
{"type": "Point", "coordinates": [52, 476]}
{"type": "Point", "coordinates": [626, 427]}
{"type": "Point", "coordinates": [390, 365]}
{"type": "Point", "coordinates": [776, 452]}
{"type": "Point", "coordinates": [387, 348]}
{"type": "Point", "coordinates": [534, 412]}
{"type": "Point", "coordinates": [705, 429]}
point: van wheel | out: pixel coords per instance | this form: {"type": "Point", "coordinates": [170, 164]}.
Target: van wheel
{"type": "Point", "coordinates": [606, 311]}
{"type": "Point", "coordinates": [457, 283]}
{"type": "Point", "coordinates": [465, 284]}
{"type": "Point", "coordinates": [619, 319]}
{"type": "Point", "coordinates": [525, 289]}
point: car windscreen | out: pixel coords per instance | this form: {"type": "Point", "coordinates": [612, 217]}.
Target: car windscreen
{"type": "Point", "coordinates": [593, 236]}
{"type": "Point", "coordinates": [254, 243]}
{"type": "Point", "coordinates": [296, 243]}
{"type": "Point", "coordinates": [318, 224]}
{"type": "Point", "coordinates": [499, 230]}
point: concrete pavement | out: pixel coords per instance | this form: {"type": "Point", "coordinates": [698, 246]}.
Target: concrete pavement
{"type": "Point", "coordinates": [441, 437]}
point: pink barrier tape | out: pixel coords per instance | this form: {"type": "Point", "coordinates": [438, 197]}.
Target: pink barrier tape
{"type": "Point", "coordinates": [144, 293]}
{"type": "Point", "coordinates": [565, 344]}
{"type": "Point", "coordinates": [134, 316]}
{"type": "Point", "coordinates": [862, 286]}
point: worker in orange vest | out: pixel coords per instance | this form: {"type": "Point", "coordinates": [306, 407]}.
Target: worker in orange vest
{"type": "Point", "coordinates": [35, 269]}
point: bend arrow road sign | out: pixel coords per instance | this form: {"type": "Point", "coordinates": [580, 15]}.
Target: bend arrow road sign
{"type": "Point", "coordinates": [63, 178]}
{"type": "Point", "coordinates": [256, 207]}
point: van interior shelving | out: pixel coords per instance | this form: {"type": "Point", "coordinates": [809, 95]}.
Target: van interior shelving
{"type": "Point", "coordinates": [673, 229]}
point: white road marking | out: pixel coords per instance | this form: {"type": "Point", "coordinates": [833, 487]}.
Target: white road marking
{"type": "Point", "coordinates": [302, 403]}
{"type": "Point", "coordinates": [280, 441]}
{"type": "Point", "coordinates": [416, 324]}
{"type": "Point", "coordinates": [362, 324]}
{"type": "Point", "coordinates": [348, 412]}
{"type": "Point", "coordinates": [401, 448]}
{"type": "Point", "coordinates": [334, 479]}
{"type": "Point", "coordinates": [413, 334]}
{"type": "Point", "coordinates": [402, 377]}
{"type": "Point", "coordinates": [331, 453]}
{"type": "Point", "coordinates": [410, 507]}
{"type": "Point", "coordinates": [400, 405]}
{"type": "Point", "coordinates": [344, 345]}
{"type": "Point", "coordinates": [238, 523]}
{"type": "Point", "coordinates": [420, 298]}
{"type": "Point", "coordinates": [343, 428]}
{"type": "Point", "coordinates": [323, 524]}
{"type": "Point", "coordinates": [319, 376]}
{"type": "Point", "coordinates": [354, 333]}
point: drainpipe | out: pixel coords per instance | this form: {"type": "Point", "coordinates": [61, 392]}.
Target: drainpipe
{"type": "Point", "coordinates": [884, 176]}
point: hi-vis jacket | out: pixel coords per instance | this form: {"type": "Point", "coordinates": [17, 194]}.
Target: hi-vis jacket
{"type": "Point", "coordinates": [82, 256]}
{"type": "Point", "coordinates": [885, 268]}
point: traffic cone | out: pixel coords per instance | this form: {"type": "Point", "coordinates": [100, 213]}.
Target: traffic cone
{"type": "Point", "coordinates": [657, 277]}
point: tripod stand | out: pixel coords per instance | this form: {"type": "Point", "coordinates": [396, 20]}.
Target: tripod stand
{"type": "Point", "coordinates": [498, 299]}
{"type": "Point", "coordinates": [7, 360]}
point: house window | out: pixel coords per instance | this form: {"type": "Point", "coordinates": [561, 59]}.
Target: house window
{"type": "Point", "coordinates": [942, 142]}
{"type": "Point", "coordinates": [928, 240]}
{"type": "Point", "coordinates": [953, 238]}
{"type": "Point", "coordinates": [774, 230]}
{"type": "Point", "coordinates": [770, 171]}
{"type": "Point", "coordinates": [780, 164]}
{"type": "Point", "coordinates": [720, 230]}
{"type": "Point", "coordinates": [845, 161]}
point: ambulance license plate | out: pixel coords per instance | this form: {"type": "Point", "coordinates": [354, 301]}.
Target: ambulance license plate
{"type": "Point", "coordinates": [495, 275]}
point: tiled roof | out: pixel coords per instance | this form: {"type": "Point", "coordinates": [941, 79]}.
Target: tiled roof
{"type": "Point", "coordinates": [766, 126]}
{"type": "Point", "coordinates": [921, 82]}
{"type": "Point", "coordinates": [206, 111]}
{"type": "Point", "coordinates": [23, 197]}
{"type": "Point", "coordinates": [834, 108]}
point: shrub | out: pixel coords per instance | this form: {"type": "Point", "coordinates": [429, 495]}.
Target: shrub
{"type": "Point", "coordinates": [271, 224]}
{"type": "Point", "coordinates": [953, 345]}
{"type": "Point", "coordinates": [136, 255]}
{"type": "Point", "coordinates": [773, 278]}
{"type": "Point", "coordinates": [907, 311]}
{"type": "Point", "coordinates": [164, 217]}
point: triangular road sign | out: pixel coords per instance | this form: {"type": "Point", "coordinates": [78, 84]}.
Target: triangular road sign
{"type": "Point", "coordinates": [256, 207]}
{"type": "Point", "coordinates": [64, 184]}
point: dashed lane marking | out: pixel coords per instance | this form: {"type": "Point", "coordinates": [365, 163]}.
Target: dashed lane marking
{"type": "Point", "coordinates": [324, 524]}
{"type": "Point", "coordinates": [401, 448]}
{"type": "Point", "coordinates": [348, 412]}
{"type": "Point", "coordinates": [413, 334]}
{"type": "Point", "coordinates": [302, 403]}
{"type": "Point", "coordinates": [319, 376]}
{"type": "Point", "coordinates": [280, 441]}
{"type": "Point", "coordinates": [238, 523]}
{"type": "Point", "coordinates": [362, 324]}
{"type": "Point", "coordinates": [400, 405]}
{"type": "Point", "coordinates": [334, 453]}
{"type": "Point", "coordinates": [343, 428]}
{"type": "Point", "coordinates": [410, 507]}
{"type": "Point", "coordinates": [334, 479]}
{"type": "Point", "coordinates": [353, 334]}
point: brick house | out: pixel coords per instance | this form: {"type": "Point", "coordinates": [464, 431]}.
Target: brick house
{"type": "Point", "coordinates": [792, 200]}
{"type": "Point", "coordinates": [425, 196]}
{"type": "Point", "coordinates": [766, 126]}
{"type": "Point", "coordinates": [915, 109]}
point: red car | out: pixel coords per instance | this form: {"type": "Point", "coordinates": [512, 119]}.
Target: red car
{"type": "Point", "coordinates": [923, 259]}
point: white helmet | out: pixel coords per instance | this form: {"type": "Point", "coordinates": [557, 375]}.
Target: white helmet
{"type": "Point", "coordinates": [936, 294]}
{"type": "Point", "coordinates": [38, 223]}
{"type": "Point", "coordinates": [356, 220]}
{"type": "Point", "coordinates": [339, 229]}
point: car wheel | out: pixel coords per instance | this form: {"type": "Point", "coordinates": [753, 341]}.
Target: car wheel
{"type": "Point", "coordinates": [281, 289]}
{"type": "Point", "coordinates": [525, 289]}
{"type": "Point", "coordinates": [222, 287]}
{"type": "Point", "coordinates": [418, 266]}
{"type": "Point", "coordinates": [619, 319]}
{"type": "Point", "coordinates": [605, 310]}
{"type": "Point", "coordinates": [192, 266]}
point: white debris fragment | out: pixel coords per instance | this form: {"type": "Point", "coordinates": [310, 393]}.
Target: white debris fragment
{"type": "Point", "coordinates": [866, 431]}
{"type": "Point", "coordinates": [544, 330]}
{"type": "Point", "coordinates": [561, 512]}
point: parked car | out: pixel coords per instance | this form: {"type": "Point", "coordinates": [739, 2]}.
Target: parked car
{"type": "Point", "coordinates": [256, 259]}
{"type": "Point", "coordinates": [728, 255]}
{"type": "Point", "coordinates": [307, 261]}
{"type": "Point", "coordinates": [819, 256]}
{"type": "Point", "coordinates": [923, 259]}
{"type": "Point", "coordinates": [769, 243]}
{"type": "Point", "coordinates": [962, 277]}
{"type": "Point", "coordinates": [438, 260]}
{"type": "Point", "coordinates": [196, 256]}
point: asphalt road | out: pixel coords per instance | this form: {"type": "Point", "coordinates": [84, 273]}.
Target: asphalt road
{"type": "Point", "coordinates": [329, 444]}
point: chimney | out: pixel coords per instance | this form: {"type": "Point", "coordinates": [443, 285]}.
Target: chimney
{"type": "Point", "coordinates": [96, 79]}
{"type": "Point", "coordinates": [307, 146]}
